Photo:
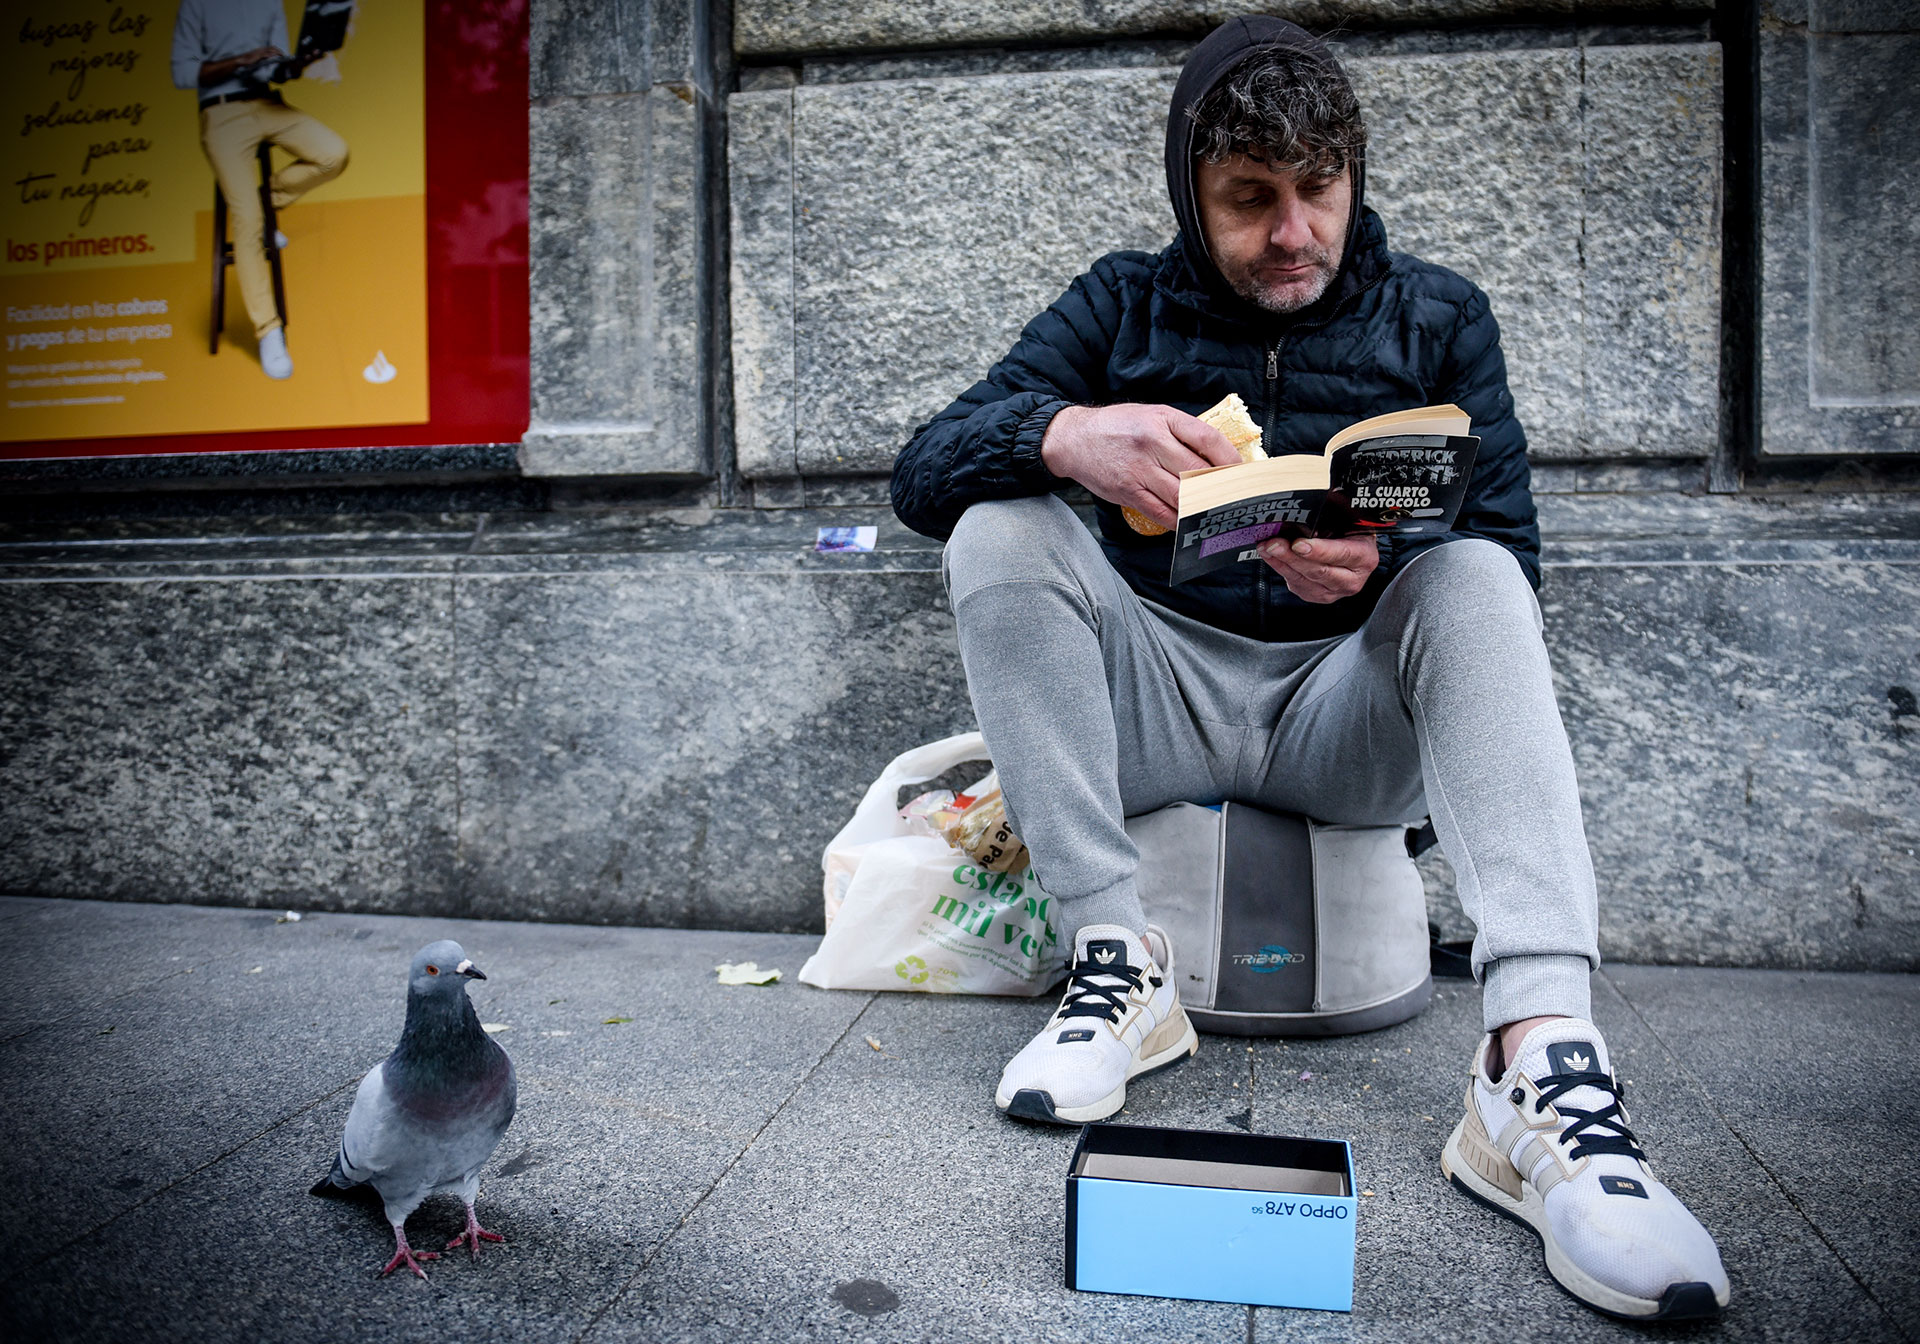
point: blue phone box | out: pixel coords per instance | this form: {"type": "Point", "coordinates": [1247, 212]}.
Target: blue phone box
{"type": "Point", "coordinates": [1216, 1217]}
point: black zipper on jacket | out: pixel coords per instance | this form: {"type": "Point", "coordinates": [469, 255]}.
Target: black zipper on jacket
{"type": "Point", "coordinates": [1273, 393]}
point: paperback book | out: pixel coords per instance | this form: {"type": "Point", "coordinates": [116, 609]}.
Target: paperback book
{"type": "Point", "coordinates": [1402, 472]}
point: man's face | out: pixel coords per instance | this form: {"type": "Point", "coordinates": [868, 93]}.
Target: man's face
{"type": "Point", "coordinates": [1277, 236]}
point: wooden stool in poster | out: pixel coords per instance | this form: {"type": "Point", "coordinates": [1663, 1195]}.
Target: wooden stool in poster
{"type": "Point", "coordinates": [223, 250]}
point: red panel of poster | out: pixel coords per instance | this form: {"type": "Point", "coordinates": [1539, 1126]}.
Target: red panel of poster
{"type": "Point", "coordinates": [262, 225]}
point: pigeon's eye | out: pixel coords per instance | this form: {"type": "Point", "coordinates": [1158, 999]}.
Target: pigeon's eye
{"type": "Point", "coordinates": [433, 970]}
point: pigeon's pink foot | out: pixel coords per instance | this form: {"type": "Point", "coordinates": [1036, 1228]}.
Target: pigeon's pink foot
{"type": "Point", "coordinates": [474, 1235]}
{"type": "Point", "coordinates": [405, 1255]}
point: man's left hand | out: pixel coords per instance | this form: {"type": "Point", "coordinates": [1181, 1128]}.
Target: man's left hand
{"type": "Point", "coordinates": [1322, 569]}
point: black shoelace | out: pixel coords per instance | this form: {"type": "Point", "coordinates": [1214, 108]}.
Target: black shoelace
{"type": "Point", "coordinates": [1609, 1134]}
{"type": "Point", "coordinates": [1086, 997]}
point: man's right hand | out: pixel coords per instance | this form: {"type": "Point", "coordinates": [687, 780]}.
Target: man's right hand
{"type": "Point", "coordinates": [1132, 455]}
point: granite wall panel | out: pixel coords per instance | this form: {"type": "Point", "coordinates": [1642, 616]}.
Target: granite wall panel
{"type": "Point", "coordinates": [912, 255]}
{"type": "Point", "coordinates": [1749, 765]}
{"type": "Point", "coordinates": [1840, 201]}
{"type": "Point", "coordinates": [618, 239]}
{"type": "Point", "coordinates": [788, 27]}
{"type": "Point", "coordinates": [1651, 255]}
{"type": "Point", "coordinates": [610, 46]}
{"type": "Point", "coordinates": [919, 248]}
{"type": "Point", "coordinates": [760, 167]}
{"type": "Point", "coordinates": [285, 740]}
{"type": "Point", "coordinates": [676, 751]}
{"type": "Point", "coordinates": [1476, 163]}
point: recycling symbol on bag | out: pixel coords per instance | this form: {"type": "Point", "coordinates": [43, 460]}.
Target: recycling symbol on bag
{"type": "Point", "coordinates": [912, 970]}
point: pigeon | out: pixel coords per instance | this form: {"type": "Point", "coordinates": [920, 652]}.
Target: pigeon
{"type": "Point", "coordinates": [428, 1117]}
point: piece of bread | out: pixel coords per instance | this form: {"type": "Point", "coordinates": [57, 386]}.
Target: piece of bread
{"type": "Point", "coordinates": [1230, 417]}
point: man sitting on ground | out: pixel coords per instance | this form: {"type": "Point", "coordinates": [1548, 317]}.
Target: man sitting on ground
{"type": "Point", "coordinates": [1353, 680]}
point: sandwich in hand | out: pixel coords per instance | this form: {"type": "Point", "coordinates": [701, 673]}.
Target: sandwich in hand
{"type": "Point", "coordinates": [1231, 419]}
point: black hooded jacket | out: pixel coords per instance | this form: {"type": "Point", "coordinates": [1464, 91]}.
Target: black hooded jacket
{"type": "Point", "coordinates": [1391, 332]}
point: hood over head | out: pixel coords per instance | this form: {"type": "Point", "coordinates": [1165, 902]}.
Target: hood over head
{"type": "Point", "coordinates": [1211, 62]}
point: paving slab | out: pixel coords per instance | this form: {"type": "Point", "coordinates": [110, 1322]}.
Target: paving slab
{"type": "Point", "coordinates": [224, 1092]}
{"type": "Point", "coordinates": [732, 1163]}
{"type": "Point", "coordinates": [892, 1167]}
{"type": "Point", "coordinates": [128, 947]}
{"type": "Point", "coordinates": [1430, 1261]}
{"type": "Point", "coordinates": [1815, 1076]}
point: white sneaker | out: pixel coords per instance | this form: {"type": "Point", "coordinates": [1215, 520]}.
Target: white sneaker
{"type": "Point", "coordinates": [273, 354]}
{"type": "Point", "coordinates": [1547, 1144]}
{"type": "Point", "coordinates": [1120, 1018]}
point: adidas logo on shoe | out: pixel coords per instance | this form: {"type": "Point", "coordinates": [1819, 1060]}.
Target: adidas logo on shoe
{"type": "Point", "coordinates": [1120, 1019]}
{"type": "Point", "coordinates": [1570, 1056]}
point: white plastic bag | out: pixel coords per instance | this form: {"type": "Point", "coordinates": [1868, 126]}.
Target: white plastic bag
{"type": "Point", "coordinates": [910, 912]}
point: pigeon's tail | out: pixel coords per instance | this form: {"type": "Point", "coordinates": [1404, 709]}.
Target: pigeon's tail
{"type": "Point", "coordinates": [334, 1182]}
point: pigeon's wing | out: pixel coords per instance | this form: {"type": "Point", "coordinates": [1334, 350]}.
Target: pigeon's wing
{"type": "Point", "coordinates": [390, 1146]}
{"type": "Point", "coordinates": [370, 1106]}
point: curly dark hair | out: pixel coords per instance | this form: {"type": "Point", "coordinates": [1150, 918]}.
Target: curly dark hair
{"type": "Point", "coordinates": [1290, 109]}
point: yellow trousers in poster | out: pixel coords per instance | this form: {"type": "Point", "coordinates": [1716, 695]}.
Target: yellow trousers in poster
{"type": "Point", "coordinates": [230, 135]}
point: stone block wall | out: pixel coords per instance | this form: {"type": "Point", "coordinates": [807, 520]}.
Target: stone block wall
{"type": "Point", "coordinates": [892, 236]}
{"type": "Point", "coordinates": [661, 718]}
{"type": "Point", "coordinates": [624, 97]}
{"type": "Point", "coordinates": [768, 241]}
{"type": "Point", "coordinates": [1840, 188]}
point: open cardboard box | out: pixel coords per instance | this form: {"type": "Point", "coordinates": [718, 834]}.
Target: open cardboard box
{"type": "Point", "coordinates": [1218, 1217]}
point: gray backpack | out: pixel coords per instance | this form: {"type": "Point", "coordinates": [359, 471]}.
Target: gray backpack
{"type": "Point", "coordinates": [1284, 926]}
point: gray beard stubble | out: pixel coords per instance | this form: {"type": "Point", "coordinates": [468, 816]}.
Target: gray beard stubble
{"type": "Point", "coordinates": [1244, 286]}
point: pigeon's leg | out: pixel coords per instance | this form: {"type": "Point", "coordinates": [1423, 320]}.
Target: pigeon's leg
{"type": "Point", "coordinates": [404, 1254]}
{"type": "Point", "coordinates": [474, 1235]}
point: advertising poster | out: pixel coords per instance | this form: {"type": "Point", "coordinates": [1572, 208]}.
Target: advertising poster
{"type": "Point", "coordinates": [165, 288]}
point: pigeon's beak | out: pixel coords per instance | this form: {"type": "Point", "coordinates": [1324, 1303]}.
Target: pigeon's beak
{"type": "Point", "coordinates": [471, 971]}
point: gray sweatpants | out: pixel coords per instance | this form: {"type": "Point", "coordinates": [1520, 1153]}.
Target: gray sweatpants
{"type": "Point", "coordinates": [1097, 705]}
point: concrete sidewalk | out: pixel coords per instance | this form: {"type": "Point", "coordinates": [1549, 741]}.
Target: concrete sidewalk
{"type": "Point", "coordinates": [742, 1164]}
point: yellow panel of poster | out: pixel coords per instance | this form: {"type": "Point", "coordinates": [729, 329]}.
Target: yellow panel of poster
{"type": "Point", "coordinates": [108, 277]}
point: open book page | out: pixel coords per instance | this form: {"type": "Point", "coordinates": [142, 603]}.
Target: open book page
{"type": "Point", "coordinates": [1447, 421]}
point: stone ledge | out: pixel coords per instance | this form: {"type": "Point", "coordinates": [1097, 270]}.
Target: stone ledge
{"type": "Point", "coordinates": [613, 450]}
{"type": "Point", "coordinates": [661, 719]}
{"type": "Point", "coordinates": [750, 537]}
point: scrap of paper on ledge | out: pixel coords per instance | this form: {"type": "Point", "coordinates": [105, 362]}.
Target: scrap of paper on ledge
{"type": "Point", "coordinates": [846, 538]}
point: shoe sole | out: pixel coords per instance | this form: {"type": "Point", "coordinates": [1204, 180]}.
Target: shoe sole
{"type": "Point", "coordinates": [1031, 1103]}
{"type": "Point", "coordinates": [1680, 1301]}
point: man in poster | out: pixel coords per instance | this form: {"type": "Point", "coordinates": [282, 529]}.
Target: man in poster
{"type": "Point", "coordinates": [227, 50]}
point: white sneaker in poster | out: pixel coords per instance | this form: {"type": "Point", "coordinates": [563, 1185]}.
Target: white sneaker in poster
{"type": "Point", "coordinates": [274, 358]}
